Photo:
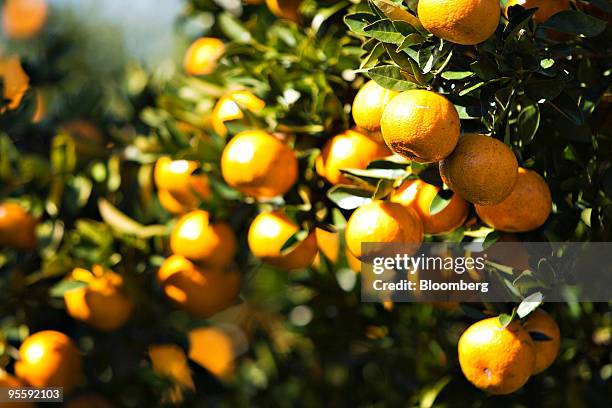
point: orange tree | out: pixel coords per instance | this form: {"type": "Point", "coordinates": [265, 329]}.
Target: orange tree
{"type": "Point", "coordinates": [193, 248]}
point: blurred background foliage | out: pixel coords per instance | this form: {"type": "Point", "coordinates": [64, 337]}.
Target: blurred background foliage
{"type": "Point", "coordinates": [108, 96]}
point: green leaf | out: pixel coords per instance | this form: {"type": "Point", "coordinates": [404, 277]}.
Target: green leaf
{"type": "Point", "coordinates": [233, 28]}
{"type": "Point", "coordinates": [64, 286]}
{"type": "Point", "coordinates": [293, 241]}
{"type": "Point", "coordinates": [440, 201]}
{"type": "Point", "coordinates": [471, 88]}
{"type": "Point", "coordinates": [546, 89]}
{"type": "Point", "coordinates": [575, 22]}
{"type": "Point", "coordinates": [529, 304]}
{"type": "Point", "coordinates": [384, 31]}
{"type": "Point", "coordinates": [528, 122]}
{"type": "Point", "coordinates": [349, 197]}
{"type": "Point", "coordinates": [410, 40]}
{"type": "Point", "coordinates": [378, 174]}
{"type": "Point", "coordinates": [397, 13]}
{"type": "Point", "coordinates": [566, 106]}
{"type": "Point", "coordinates": [122, 223]}
{"type": "Point", "coordinates": [390, 77]}
{"type": "Point", "coordinates": [506, 319]}
{"type": "Point", "coordinates": [457, 75]}
{"type": "Point", "coordinates": [491, 238]}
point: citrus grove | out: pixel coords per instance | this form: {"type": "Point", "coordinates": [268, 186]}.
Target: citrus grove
{"type": "Point", "coordinates": [192, 234]}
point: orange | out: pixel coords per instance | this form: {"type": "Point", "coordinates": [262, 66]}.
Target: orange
{"type": "Point", "coordinates": [169, 361]}
{"type": "Point", "coordinates": [465, 22]}
{"type": "Point", "coordinates": [383, 222]}
{"type": "Point", "coordinates": [546, 8]}
{"type": "Point", "coordinates": [525, 209]}
{"type": "Point", "coordinates": [419, 195]}
{"type": "Point", "coordinates": [202, 56]}
{"type": "Point", "coordinates": [230, 107]}
{"type": "Point", "coordinates": [212, 348]}
{"type": "Point", "coordinates": [49, 359]}
{"type": "Point", "coordinates": [201, 292]}
{"type": "Point", "coordinates": [348, 150]}
{"type": "Point", "coordinates": [101, 304]}
{"type": "Point", "coordinates": [481, 169]}
{"type": "Point", "coordinates": [196, 238]}
{"type": "Point", "coordinates": [8, 381]}
{"type": "Point", "coordinates": [545, 350]}
{"type": "Point", "coordinates": [14, 80]}
{"type": "Point", "coordinates": [17, 227]}
{"type": "Point", "coordinates": [259, 165]}
{"type": "Point", "coordinates": [328, 244]}
{"type": "Point", "coordinates": [421, 125]}
{"type": "Point", "coordinates": [353, 262]}
{"type": "Point", "coordinates": [88, 401]}
{"type": "Point", "coordinates": [41, 108]}
{"type": "Point", "coordinates": [369, 104]}
{"type": "Point", "coordinates": [23, 19]}
{"type": "Point", "coordinates": [178, 186]}
{"type": "Point", "coordinates": [269, 231]}
{"type": "Point", "coordinates": [286, 9]}
{"type": "Point", "coordinates": [495, 359]}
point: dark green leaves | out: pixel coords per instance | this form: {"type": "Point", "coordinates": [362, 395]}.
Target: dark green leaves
{"type": "Point", "coordinates": [575, 22]}
{"type": "Point", "coordinates": [390, 77]}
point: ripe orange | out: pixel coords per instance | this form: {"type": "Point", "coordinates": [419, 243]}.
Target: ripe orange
{"type": "Point", "coordinates": [546, 8]}
{"type": "Point", "coordinates": [419, 195]}
{"type": "Point", "coordinates": [8, 381]}
{"type": "Point", "coordinates": [353, 262]}
{"type": "Point", "coordinates": [194, 237]}
{"type": "Point", "coordinates": [17, 227]}
{"type": "Point", "coordinates": [88, 401]}
{"type": "Point", "coordinates": [268, 233]}
{"type": "Point", "coordinates": [369, 104]}
{"type": "Point", "coordinates": [230, 106]}
{"type": "Point", "coordinates": [286, 9]}
{"type": "Point", "coordinates": [525, 209]}
{"type": "Point", "coordinates": [178, 186]}
{"type": "Point", "coordinates": [465, 22]}
{"type": "Point", "coordinates": [421, 125]}
{"type": "Point", "coordinates": [259, 165]}
{"type": "Point", "coordinates": [15, 81]}
{"type": "Point", "coordinates": [49, 359]}
{"type": "Point", "coordinates": [202, 56]}
{"type": "Point", "coordinates": [383, 222]}
{"type": "Point", "coordinates": [212, 348]}
{"type": "Point", "coordinates": [495, 359]}
{"type": "Point", "coordinates": [481, 169]}
{"type": "Point", "coordinates": [201, 292]}
{"type": "Point", "coordinates": [101, 304]}
{"type": "Point", "coordinates": [23, 19]}
{"type": "Point", "coordinates": [348, 150]}
{"type": "Point", "coordinates": [41, 108]}
{"type": "Point", "coordinates": [169, 361]}
{"type": "Point", "coordinates": [545, 350]}
{"type": "Point", "coordinates": [328, 244]}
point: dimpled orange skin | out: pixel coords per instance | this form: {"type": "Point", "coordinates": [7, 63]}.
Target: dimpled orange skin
{"type": "Point", "coordinates": [229, 107]}
{"type": "Point", "coordinates": [421, 125]}
{"type": "Point", "coordinates": [348, 150]}
{"type": "Point", "coordinates": [202, 56]}
{"type": "Point", "coordinates": [465, 22]}
{"type": "Point", "coordinates": [495, 359]}
{"type": "Point", "coordinates": [176, 179]}
{"type": "Point", "coordinates": [15, 81]}
{"type": "Point", "coordinates": [259, 165]}
{"type": "Point", "coordinates": [286, 9]}
{"type": "Point", "coordinates": [199, 291]}
{"type": "Point", "coordinates": [17, 227]}
{"type": "Point", "coordinates": [22, 19]}
{"type": "Point", "coordinates": [49, 359]}
{"type": "Point", "coordinates": [383, 222]}
{"type": "Point", "coordinates": [8, 381]}
{"type": "Point", "coordinates": [369, 104]}
{"type": "Point", "coordinates": [546, 350]}
{"type": "Point", "coordinates": [527, 208]}
{"type": "Point", "coordinates": [546, 8]}
{"type": "Point", "coordinates": [195, 238]}
{"type": "Point", "coordinates": [268, 233]}
{"type": "Point", "coordinates": [101, 304]}
{"type": "Point", "coordinates": [481, 169]}
{"type": "Point", "coordinates": [212, 349]}
{"type": "Point", "coordinates": [419, 195]}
